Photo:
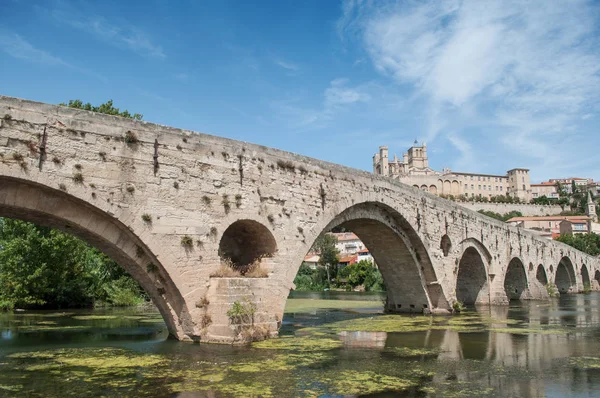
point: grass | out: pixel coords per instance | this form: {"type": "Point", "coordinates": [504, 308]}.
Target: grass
{"type": "Point", "coordinates": [225, 271]}
{"type": "Point", "coordinates": [187, 242]}
{"type": "Point", "coordinates": [78, 178]}
{"type": "Point", "coordinates": [131, 138]}
{"type": "Point", "coordinates": [147, 218]}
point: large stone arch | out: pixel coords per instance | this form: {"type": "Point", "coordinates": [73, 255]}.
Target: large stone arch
{"type": "Point", "coordinates": [515, 280]}
{"type": "Point", "coordinates": [472, 285]}
{"type": "Point", "coordinates": [39, 204]}
{"type": "Point", "coordinates": [433, 189]}
{"type": "Point", "coordinates": [585, 277]}
{"type": "Point", "coordinates": [401, 256]}
{"type": "Point", "coordinates": [541, 276]}
{"type": "Point", "coordinates": [565, 276]}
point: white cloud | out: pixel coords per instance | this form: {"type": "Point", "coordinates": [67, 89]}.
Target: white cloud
{"type": "Point", "coordinates": [123, 35]}
{"type": "Point", "coordinates": [338, 94]}
{"type": "Point", "coordinates": [17, 47]}
{"type": "Point", "coordinates": [287, 65]}
{"type": "Point", "coordinates": [525, 73]}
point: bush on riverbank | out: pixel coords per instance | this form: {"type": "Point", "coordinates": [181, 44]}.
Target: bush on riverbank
{"type": "Point", "coordinates": [41, 267]}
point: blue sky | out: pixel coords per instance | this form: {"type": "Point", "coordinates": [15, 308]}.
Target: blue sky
{"type": "Point", "coordinates": [488, 85]}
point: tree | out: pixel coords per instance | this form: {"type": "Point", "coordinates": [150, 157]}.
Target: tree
{"type": "Point", "coordinates": [43, 267]}
{"type": "Point", "coordinates": [329, 254]}
{"type": "Point", "coordinates": [588, 243]}
{"type": "Point", "coordinates": [106, 108]}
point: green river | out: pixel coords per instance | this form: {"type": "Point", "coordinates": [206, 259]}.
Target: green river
{"type": "Point", "coordinates": [331, 344]}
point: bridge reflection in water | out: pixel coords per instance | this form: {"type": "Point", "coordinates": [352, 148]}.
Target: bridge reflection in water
{"type": "Point", "coordinates": [523, 343]}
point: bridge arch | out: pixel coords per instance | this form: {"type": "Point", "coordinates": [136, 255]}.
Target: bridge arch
{"type": "Point", "coordinates": [45, 206]}
{"type": "Point", "coordinates": [246, 242]}
{"type": "Point", "coordinates": [597, 276]}
{"type": "Point", "coordinates": [515, 279]}
{"type": "Point", "coordinates": [472, 285]}
{"type": "Point", "coordinates": [565, 275]}
{"type": "Point", "coordinates": [398, 251]}
{"type": "Point", "coordinates": [585, 277]}
{"type": "Point", "coordinates": [541, 276]}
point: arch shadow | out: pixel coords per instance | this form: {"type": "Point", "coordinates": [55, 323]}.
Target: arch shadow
{"type": "Point", "coordinates": [45, 206]}
{"type": "Point", "coordinates": [472, 279]}
{"type": "Point", "coordinates": [515, 280]}
{"type": "Point", "coordinates": [585, 278]}
{"type": "Point", "coordinates": [541, 276]}
{"type": "Point", "coordinates": [565, 275]}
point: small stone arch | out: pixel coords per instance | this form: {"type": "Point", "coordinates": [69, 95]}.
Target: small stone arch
{"type": "Point", "coordinates": [541, 276]}
{"type": "Point", "coordinates": [416, 186]}
{"type": "Point", "coordinates": [245, 242]}
{"type": "Point", "coordinates": [585, 277]}
{"type": "Point", "coordinates": [445, 245]}
{"type": "Point", "coordinates": [424, 187]}
{"type": "Point", "coordinates": [471, 280]}
{"type": "Point", "coordinates": [433, 189]}
{"type": "Point", "coordinates": [515, 280]}
{"type": "Point", "coordinates": [565, 275]}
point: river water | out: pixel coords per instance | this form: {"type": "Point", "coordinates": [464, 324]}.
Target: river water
{"type": "Point", "coordinates": [332, 344]}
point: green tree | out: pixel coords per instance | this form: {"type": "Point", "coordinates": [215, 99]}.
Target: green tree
{"type": "Point", "coordinates": [328, 254]}
{"type": "Point", "coordinates": [106, 108]}
{"type": "Point", "coordinates": [43, 267]}
{"type": "Point", "coordinates": [588, 243]}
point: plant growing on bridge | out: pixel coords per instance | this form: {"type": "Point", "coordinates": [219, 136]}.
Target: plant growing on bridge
{"type": "Point", "coordinates": [187, 242]}
{"type": "Point", "coordinates": [106, 108]}
{"type": "Point", "coordinates": [238, 200]}
{"type": "Point", "coordinates": [147, 218]}
{"type": "Point", "coordinates": [175, 184]}
{"type": "Point", "coordinates": [206, 200]}
{"type": "Point", "coordinates": [552, 290]}
{"type": "Point", "coordinates": [78, 178]}
{"type": "Point", "coordinates": [131, 138]}
{"type": "Point", "coordinates": [458, 306]}
{"type": "Point", "coordinates": [226, 204]}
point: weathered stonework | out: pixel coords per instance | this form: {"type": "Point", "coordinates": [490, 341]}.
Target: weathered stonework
{"type": "Point", "coordinates": [211, 196]}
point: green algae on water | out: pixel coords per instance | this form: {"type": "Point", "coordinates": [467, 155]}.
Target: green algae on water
{"type": "Point", "coordinates": [305, 343]}
{"type": "Point", "coordinates": [350, 382]}
{"type": "Point", "coordinates": [309, 305]}
{"type": "Point", "coordinates": [94, 317]}
{"type": "Point", "coordinates": [407, 352]}
{"type": "Point", "coordinates": [585, 362]}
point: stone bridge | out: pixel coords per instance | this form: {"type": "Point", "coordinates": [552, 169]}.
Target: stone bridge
{"type": "Point", "coordinates": [170, 205]}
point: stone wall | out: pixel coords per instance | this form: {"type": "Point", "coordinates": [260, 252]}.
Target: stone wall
{"type": "Point", "coordinates": [503, 208]}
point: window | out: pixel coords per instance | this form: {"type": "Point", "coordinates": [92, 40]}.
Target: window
{"type": "Point", "coordinates": [472, 186]}
{"type": "Point", "coordinates": [478, 186]}
{"type": "Point", "coordinates": [489, 178]}
{"type": "Point", "coordinates": [501, 188]}
{"type": "Point", "coordinates": [523, 187]}
{"type": "Point", "coordinates": [523, 179]}
{"type": "Point", "coordinates": [478, 178]}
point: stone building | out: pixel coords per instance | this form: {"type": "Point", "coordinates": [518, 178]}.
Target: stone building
{"type": "Point", "coordinates": [413, 169]}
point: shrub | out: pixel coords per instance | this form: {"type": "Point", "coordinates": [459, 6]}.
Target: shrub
{"type": "Point", "coordinates": [147, 218]}
{"type": "Point", "coordinates": [7, 117]}
{"type": "Point", "coordinates": [552, 290]}
{"type": "Point", "coordinates": [131, 138]}
{"type": "Point", "coordinates": [56, 160]}
{"type": "Point", "coordinates": [130, 188]}
{"type": "Point", "coordinates": [175, 184]}
{"type": "Point", "coordinates": [238, 200]}
{"type": "Point", "coordinates": [78, 178]}
{"type": "Point", "coordinates": [206, 200]}
{"type": "Point", "coordinates": [458, 306]}
{"type": "Point", "coordinates": [187, 241]}
{"type": "Point", "coordinates": [224, 271]}
{"type": "Point", "coordinates": [205, 321]}
{"type": "Point", "coordinates": [286, 165]}
{"type": "Point", "coordinates": [226, 204]}
{"type": "Point", "coordinates": [78, 166]}
{"type": "Point", "coordinates": [102, 155]}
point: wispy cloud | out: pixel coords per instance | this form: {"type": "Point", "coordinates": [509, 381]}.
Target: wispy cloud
{"type": "Point", "coordinates": [526, 73]}
{"type": "Point", "coordinates": [17, 47]}
{"type": "Point", "coordinates": [122, 35]}
{"type": "Point", "coordinates": [287, 65]}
